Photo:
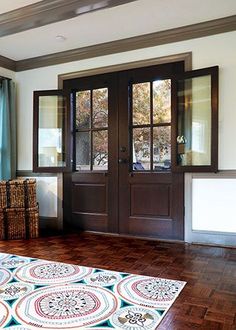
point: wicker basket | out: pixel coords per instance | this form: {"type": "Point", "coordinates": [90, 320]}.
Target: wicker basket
{"type": "Point", "coordinates": [32, 222]}
{"type": "Point", "coordinates": [15, 223]}
{"type": "Point", "coordinates": [2, 225]}
{"type": "Point", "coordinates": [16, 193]}
{"type": "Point", "coordinates": [30, 193]}
{"type": "Point", "coordinates": [3, 195]}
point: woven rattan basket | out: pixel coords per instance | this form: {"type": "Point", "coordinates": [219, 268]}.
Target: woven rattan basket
{"type": "Point", "coordinates": [30, 193]}
{"type": "Point", "coordinates": [32, 222]}
{"type": "Point", "coordinates": [15, 223]}
{"type": "Point", "coordinates": [2, 225]}
{"type": "Point", "coordinates": [16, 193]}
{"type": "Point", "coordinates": [19, 211]}
{"type": "Point", "coordinates": [3, 195]}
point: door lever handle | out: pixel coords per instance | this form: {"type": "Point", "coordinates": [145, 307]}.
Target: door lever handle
{"type": "Point", "coordinates": [122, 161]}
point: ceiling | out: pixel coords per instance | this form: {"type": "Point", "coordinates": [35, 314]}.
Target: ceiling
{"type": "Point", "coordinates": [7, 5]}
{"type": "Point", "coordinates": [110, 23]}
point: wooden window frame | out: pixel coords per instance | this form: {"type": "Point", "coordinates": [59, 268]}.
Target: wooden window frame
{"type": "Point", "coordinates": [50, 169]}
{"type": "Point", "coordinates": [213, 167]}
{"type": "Point", "coordinates": [90, 130]}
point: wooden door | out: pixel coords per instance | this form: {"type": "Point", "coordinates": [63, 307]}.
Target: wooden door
{"type": "Point", "coordinates": [151, 197]}
{"type": "Point", "coordinates": [91, 189]}
{"type": "Point", "coordinates": [135, 193]}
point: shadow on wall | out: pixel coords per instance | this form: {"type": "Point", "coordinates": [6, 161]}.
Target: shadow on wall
{"type": "Point", "coordinates": [47, 196]}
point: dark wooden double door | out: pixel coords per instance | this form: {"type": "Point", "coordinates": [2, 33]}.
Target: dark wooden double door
{"type": "Point", "coordinates": [121, 136]}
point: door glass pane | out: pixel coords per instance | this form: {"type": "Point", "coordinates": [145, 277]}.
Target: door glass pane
{"type": "Point", "coordinates": [100, 107]}
{"type": "Point", "coordinates": [162, 101]}
{"type": "Point", "coordinates": [194, 121]}
{"type": "Point", "coordinates": [83, 109]}
{"type": "Point", "coordinates": [161, 148]}
{"type": "Point", "coordinates": [141, 149]}
{"type": "Point", "coordinates": [51, 140]}
{"type": "Point", "coordinates": [141, 103]}
{"type": "Point", "coordinates": [100, 150]}
{"type": "Point", "coordinates": [83, 151]}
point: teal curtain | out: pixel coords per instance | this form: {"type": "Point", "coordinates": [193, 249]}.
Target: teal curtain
{"type": "Point", "coordinates": [7, 130]}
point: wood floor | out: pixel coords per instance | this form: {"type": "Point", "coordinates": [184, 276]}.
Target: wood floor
{"type": "Point", "coordinates": [208, 301]}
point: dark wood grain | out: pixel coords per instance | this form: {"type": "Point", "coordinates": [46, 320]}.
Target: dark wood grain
{"type": "Point", "coordinates": [207, 302]}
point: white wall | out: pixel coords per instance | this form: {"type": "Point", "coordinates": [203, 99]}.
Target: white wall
{"type": "Point", "coordinates": [213, 204]}
{"type": "Point", "coordinates": [210, 204]}
{"type": "Point", "coordinates": [47, 196]}
{"type": "Point", "coordinates": [209, 51]}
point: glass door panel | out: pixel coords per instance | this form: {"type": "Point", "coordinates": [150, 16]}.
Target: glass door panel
{"type": "Point", "coordinates": [162, 101]}
{"type": "Point", "coordinates": [83, 114]}
{"type": "Point", "coordinates": [194, 129]}
{"type": "Point", "coordinates": [141, 149]}
{"type": "Point", "coordinates": [161, 148]}
{"type": "Point", "coordinates": [141, 103]}
{"type": "Point", "coordinates": [151, 125]}
{"type": "Point", "coordinates": [91, 142]}
{"type": "Point", "coordinates": [83, 151]}
{"type": "Point", "coordinates": [100, 107]}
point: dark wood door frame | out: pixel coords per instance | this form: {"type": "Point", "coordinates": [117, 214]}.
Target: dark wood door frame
{"type": "Point", "coordinates": [185, 57]}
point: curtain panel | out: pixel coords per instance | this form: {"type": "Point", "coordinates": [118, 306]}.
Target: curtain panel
{"type": "Point", "coordinates": [7, 130]}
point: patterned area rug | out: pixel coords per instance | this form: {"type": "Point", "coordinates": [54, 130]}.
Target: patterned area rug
{"type": "Point", "coordinates": [36, 293]}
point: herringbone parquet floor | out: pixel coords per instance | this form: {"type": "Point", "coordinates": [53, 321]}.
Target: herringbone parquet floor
{"type": "Point", "coordinates": [207, 302]}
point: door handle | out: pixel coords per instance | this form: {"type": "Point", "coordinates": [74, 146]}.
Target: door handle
{"type": "Point", "coordinates": [122, 161]}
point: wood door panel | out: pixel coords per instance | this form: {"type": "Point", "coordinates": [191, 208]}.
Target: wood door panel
{"type": "Point", "coordinates": [89, 198]}
{"type": "Point", "coordinates": [150, 200]}
{"type": "Point", "coordinates": [93, 222]}
{"type": "Point", "coordinates": [145, 226]}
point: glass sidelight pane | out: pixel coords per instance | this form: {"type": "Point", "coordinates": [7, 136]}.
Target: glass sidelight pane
{"type": "Point", "coordinates": [161, 148]}
{"type": "Point", "coordinates": [141, 103]}
{"type": "Point", "coordinates": [83, 109]}
{"type": "Point", "coordinates": [162, 101]}
{"type": "Point", "coordinates": [141, 149]}
{"type": "Point", "coordinates": [100, 150]}
{"type": "Point", "coordinates": [194, 121]}
{"type": "Point", "coordinates": [100, 107]}
{"type": "Point", "coordinates": [83, 151]}
{"type": "Point", "coordinates": [51, 123]}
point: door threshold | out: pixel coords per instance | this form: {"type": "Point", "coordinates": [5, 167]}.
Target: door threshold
{"type": "Point", "coordinates": [135, 237]}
